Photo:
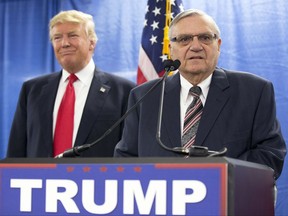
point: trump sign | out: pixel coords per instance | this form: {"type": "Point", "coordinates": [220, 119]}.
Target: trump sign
{"type": "Point", "coordinates": [113, 189]}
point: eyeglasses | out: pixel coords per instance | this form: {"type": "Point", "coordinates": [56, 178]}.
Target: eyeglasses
{"type": "Point", "coordinates": [205, 38]}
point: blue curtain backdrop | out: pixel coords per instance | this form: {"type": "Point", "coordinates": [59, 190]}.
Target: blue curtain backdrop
{"type": "Point", "coordinates": [254, 37]}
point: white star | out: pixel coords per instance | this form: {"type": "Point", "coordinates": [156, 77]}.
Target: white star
{"type": "Point", "coordinates": [155, 25]}
{"type": "Point", "coordinates": [181, 7]}
{"type": "Point", "coordinates": [153, 39]}
{"type": "Point", "coordinates": [156, 11]}
{"type": "Point", "coordinates": [172, 2]}
{"type": "Point", "coordinates": [164, 57]}
{"type": "Point", "coordinates": [147, 9]}
{"type": "Point", "coordinates": [145, 22]}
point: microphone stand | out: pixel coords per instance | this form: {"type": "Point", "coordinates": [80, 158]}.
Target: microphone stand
{"type": "Point", "coordinates": [159, 121]}
{"type": "Point", "coordinates": [75, 151]}
{"type": "Point", "coordinates": [199, 151]}
{"type": "Point", "coordinates": [160, 112]}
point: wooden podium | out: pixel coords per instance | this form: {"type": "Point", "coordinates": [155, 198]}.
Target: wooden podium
{"type": "Point", "coordinates": [135, 186]}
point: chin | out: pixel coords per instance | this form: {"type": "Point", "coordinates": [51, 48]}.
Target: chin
{"type": "Point", "coordinates": [196, 69]}
{"type": "Point", "coordinates": [67, 62]}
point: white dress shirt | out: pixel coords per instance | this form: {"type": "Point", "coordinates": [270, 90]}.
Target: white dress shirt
{"type": "Point", "coordinates": [81, 87]}
{"type": "Point", "coordinates": [186, 98]}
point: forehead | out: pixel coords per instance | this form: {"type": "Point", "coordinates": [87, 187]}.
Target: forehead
{"type": "Point", "coordinates": [66, 27]}
{"type": "Point", "coordinates": [193, 25]}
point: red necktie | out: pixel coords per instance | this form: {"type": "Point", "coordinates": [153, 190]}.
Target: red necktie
{"type": "Point", "coordinates": [65, 119]}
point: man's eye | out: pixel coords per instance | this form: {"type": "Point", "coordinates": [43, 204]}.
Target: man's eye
{"type": "Point", "coordinates": [73, 36]}
{"type": "Point", "coordinates": [56, 38]}
{"type": "Point", "coordinates": [204, 37]}
{"type": "Point", "coordinates": [184, 39]}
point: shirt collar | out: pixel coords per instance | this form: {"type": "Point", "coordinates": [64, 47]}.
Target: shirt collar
{"type": "Point", "coordinates": [84, 75]}
{"type": "Point", "coordinates": [204, 85]}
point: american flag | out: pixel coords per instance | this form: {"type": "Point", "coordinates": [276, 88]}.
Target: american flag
{"type": "Point", "coordinates": [151, 57]}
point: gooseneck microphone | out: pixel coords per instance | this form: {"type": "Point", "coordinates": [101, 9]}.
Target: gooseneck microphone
{"type": "Point", "coordinates": [198, 151]}
{"type": "Point", "coordinates": [169, 65]}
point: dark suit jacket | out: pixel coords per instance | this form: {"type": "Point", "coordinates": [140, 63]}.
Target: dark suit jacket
{"type": "Point", "coordinates": [239, 114]}
{"type": "Point", "coordinates": [31, 133]}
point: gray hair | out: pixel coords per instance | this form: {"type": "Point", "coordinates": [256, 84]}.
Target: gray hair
{"type": "Point", "coordinates": [193, 12]}
{"type": "Point", "coordinates": [76, 17]}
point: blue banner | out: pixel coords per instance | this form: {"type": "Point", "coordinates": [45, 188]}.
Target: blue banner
{"type": "Point", "coordinates": [113, 189]}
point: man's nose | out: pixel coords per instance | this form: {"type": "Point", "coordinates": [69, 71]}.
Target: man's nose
{"type": "Point", "coordinates": [65, 42]}
{"type": "Point", "coordinates": [195, 44]}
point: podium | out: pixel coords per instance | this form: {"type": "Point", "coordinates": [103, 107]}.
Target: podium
{"type": "Point", "coordinates": [135, 186]}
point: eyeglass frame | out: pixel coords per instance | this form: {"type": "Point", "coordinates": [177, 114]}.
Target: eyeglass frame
{"type": "Point", "coordinates": [190, 38]}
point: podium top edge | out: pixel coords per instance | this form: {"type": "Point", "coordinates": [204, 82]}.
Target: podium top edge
{"type": "Point", "coordinates": [117, 160]}
{"type": "Point", "coordinates": [137, 160]}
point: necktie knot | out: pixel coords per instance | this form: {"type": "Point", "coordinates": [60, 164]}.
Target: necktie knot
{"type": "Point", "coordinates": [72, 78]}
{"type": "Point", "coordinates": [195, 91]}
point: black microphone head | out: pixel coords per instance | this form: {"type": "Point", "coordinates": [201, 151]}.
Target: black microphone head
{"type": "Point", "coordinates": [177, 64]}
{"type": "Point", "coordinates": [168, 64]}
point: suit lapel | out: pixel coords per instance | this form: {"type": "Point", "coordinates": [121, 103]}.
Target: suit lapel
{"type": "Point", "coordinates": [217, 97]}
{"type": "Point", "coordinates": [171, 118]}
{"type": "Point", "coordinates": [46, 105]}
{"type": "Point", "coordinates": [97, 95]}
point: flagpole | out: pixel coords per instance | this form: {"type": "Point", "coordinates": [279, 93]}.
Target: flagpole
{"type": "Point", "coordinates": [154, 48]}
{"type": "Point", "coordinates": [165, 50]}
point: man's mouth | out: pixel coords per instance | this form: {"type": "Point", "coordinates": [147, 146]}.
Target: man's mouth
{"type": "Point", "coordinates": [67, 53]}
{"type": "Point", "coordinates": [195, 57]}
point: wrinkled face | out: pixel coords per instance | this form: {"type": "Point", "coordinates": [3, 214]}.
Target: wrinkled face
{"type": "Point", "coordinates": [72, 47]}
{"type": "Point", "coordinates": [196, 45]}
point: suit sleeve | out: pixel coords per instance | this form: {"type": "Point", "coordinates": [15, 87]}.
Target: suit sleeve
{"type": "Point", "coordinates": [267, 144]}
{"type": "Point", "coordinates": [18, 138]}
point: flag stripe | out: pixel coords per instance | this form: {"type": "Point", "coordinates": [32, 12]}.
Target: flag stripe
{"type": "Point", "coordinates": [150, 65]}
{"type": "Point", "coordinates": [146, 65]}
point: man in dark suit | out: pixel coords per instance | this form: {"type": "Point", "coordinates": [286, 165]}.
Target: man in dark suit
{"type": "Point", "coordinates": [238, 112]}
{"type": "Point", "coordinates": [101, 98]}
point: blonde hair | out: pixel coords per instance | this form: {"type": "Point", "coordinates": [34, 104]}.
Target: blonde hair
{"type": "Point", "coordinates": [76, 17]}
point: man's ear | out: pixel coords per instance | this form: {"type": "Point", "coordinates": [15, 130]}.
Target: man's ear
{"type": "Point", "coordinates": [170, 49]}
{"type": "Point", "coordinates": [92, 45]}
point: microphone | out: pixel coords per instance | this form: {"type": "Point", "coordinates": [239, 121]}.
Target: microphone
{"type": "Point", "coordinates": [198, 151]}
{"type": "Point", "coordinates": [169, 65]}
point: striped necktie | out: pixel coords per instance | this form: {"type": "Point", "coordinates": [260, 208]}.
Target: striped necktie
{"type": "Point", "coordinates": [63, 135]}
{"type": "Point", "coordinates": [192, 118]}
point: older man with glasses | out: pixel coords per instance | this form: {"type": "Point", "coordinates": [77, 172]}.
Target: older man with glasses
{"type": "Point", "coordinates": [205, 105]}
